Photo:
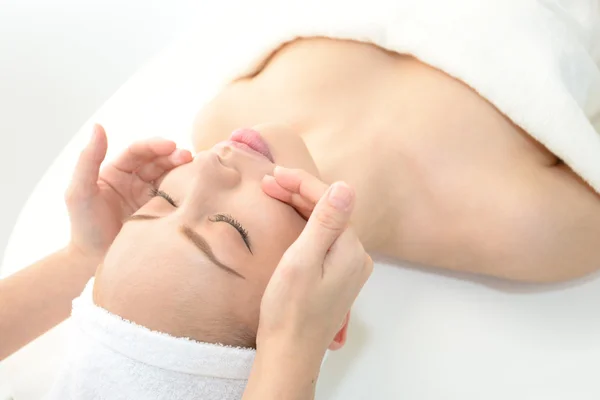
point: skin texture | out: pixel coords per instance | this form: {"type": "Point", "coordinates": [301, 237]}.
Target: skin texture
{"type": "Point", "coordinates": [155, 276]}
{"type": "Point", "coordinates": [308, 296]}
{"type": "Point", "coordinates": [38, 297]}
{"type": "Point", "coordinates": [442, 179]}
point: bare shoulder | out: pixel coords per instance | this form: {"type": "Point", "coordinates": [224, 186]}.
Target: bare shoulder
{"type": "Point", "coordinates": [480, 195]}
{"type": "Point", "coordinates": [526, 222]}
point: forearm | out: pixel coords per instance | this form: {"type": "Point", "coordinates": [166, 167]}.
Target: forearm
{"type": "Point", "coordinates": [284, 371]}
{"type": "Point", "coordinates": [38, 297]}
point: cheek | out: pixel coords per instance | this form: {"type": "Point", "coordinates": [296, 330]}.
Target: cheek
{"type": "Point", "coordinates": [287, 227]}
{"type": "Point", "coordinates": [289, 150]}
{"type": "Point", "coordinates": [282, 231]}
{"type": "Point", "coordinates": [272, 225]}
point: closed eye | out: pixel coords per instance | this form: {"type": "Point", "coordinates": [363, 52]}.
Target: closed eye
{"type": "Point", "coordinates": [236, 224]}
{"type": "Point", "coordinates": [216, 218]}
{"type": "Point", "coordinates": [159, 193]}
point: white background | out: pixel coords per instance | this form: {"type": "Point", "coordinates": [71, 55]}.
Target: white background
{"type": "Point", "coordinates": [415, 334]}
{"type": "Point", "coordinates": [60, 60]}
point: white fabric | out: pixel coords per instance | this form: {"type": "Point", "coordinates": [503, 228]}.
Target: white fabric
{"type": "Point", "coordinates": [538, 61]}
{"type": "Point", "coordinates": [112, 358]}
{"type": "Point", "coordinates": [415, 333]}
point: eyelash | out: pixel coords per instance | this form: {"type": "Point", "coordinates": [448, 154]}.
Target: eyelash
{"type": "Point", "coordinates": [159, 193]}
{"type": "Point", "coordinates": [217, 218]}
{"type": "Point", "coordinates": [233, 222]}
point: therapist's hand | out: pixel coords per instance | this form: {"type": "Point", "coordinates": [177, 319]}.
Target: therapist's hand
{"type": "Point", "coordinates": [307, 301]}
{"type": "Point", "coordinates": [98, 200]}
{"type": "Point", "coordinates": [295, 187]}
{"type": "Point", "coordinates": [312, 289]}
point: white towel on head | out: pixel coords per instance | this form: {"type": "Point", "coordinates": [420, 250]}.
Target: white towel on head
{"type": "Point", "coordinates": [111, 358]}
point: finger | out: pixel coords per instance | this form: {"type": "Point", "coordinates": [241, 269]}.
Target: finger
{"type": "Point", "coordinates": [301, 182]}
{"type": "Point", "coordinates": [348, 264]}
{"type": "Point", "coordinates": [347, 254]}
{"type": "Point", "coordinates": [85, 177]}
{"type": "Point", "coordinates": [141, 152]}
{"type": "Point", "coordinates": [155, 169]}
{"type": "Point", "coordinates": [328, 220]}
{"type": "Point", "coordinates": [275, 190]}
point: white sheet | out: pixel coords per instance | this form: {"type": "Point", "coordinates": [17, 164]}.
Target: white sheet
{"type": "Point", "coordinates": [415, 334]}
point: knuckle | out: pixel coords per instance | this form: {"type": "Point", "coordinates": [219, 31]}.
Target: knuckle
{"type": "Point", "coordinates": [287, 258]}
{"type": "Point", "coordinates": [291, 258]}
{"type": "Point", "coordinates": [290, 272]}
{"type": "Point", "coordinates": [292, 268]}
{"type": "Point", "coordinates": [361, 254]}
{"type": "Point", "coordinates": [352, 245]}
{"type": "Point", "coordinates": [358, 265]}
{"type": "Point", "coordinates": [359, 258]}
{"type": "Point", "coordinates": [330, 221]}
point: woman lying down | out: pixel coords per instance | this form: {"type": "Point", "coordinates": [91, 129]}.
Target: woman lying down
{"type": "Point", "coordinates": [446, 173]}
{"type": "Point", "coordinates": [200, 339]}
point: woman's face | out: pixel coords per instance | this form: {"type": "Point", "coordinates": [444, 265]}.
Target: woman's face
{"type": "Point", "coordinates": [195, 260]}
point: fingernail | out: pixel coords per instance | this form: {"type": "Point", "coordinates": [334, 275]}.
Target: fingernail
{"type": "Point", "coordinates": [269, 178]}
{"type": "Point", "coordinates": [176, 156]}
{"type": "Point", "coordinates": [340, 196]}
{"type": "Point", "coordinates": [185, 155]}
{"type": "Point", "coordinates": [277, 169]}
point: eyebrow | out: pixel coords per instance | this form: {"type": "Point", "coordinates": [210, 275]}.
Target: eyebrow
{"type": "Point", "coordinates": [196, 239]}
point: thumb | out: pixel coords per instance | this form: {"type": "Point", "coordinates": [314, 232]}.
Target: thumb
{"type": "Point", "coordinates": [85, 178]}
{"type": "Point", "coordinates": [328, 220]}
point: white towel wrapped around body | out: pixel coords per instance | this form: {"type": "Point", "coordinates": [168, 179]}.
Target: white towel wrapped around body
{"type": "Point", "coordinates": [537, 61]}
{"type": "Point", "coordinates": [111, 358]}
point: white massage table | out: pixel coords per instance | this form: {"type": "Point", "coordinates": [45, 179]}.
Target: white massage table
{"type": "Point", "coordinates": [416, 334]}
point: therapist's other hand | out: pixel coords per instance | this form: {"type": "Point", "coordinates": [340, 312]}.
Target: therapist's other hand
{"type": "Point", "coordinates": [98, 200]}
{"type": "Point", "coordinates": [308, 298]}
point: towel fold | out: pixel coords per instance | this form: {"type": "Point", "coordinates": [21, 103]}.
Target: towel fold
{"type": "Point", "coordinates": [537, 61]}
{"type": "Point", "coordinates": [111, 358]}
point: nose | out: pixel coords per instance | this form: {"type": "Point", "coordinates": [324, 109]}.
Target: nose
{"type": "Point", "coordinates": [211, 183]}
{"type": "Point", "coordinates": [215, 169]}
{"type": "Point", "coordinates": [224, 154]}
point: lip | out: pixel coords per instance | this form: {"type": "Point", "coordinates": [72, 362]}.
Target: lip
{"type": "Point", "coordinates": [249, 139]}
{"type": "Point", "coordinates": [243, 147]}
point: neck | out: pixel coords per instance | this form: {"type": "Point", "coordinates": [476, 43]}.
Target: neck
{"type": "Point", "coordinates": [341, 154]}
{"type": "Point", "coordinates": [347, 102]}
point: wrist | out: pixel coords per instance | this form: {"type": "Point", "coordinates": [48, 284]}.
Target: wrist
{"type": "Point", "coordinates": [291, 351]}
{"type": "Point", "coordinates": [283, 370]}
{"type": "Point", "coordinates": [311, 342]}
{"type": "Point", "coordinates": [86, 263]}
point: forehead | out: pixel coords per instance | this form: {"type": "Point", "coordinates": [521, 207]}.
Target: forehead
{"type": "Point", "coordinates": [181, 172]}
{"type": "Point", "coordinates": [271, 224]}
{"type": "Point", "coordinates": [248, 194]}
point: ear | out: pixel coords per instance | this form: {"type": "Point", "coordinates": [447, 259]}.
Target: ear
{"type": "Point", "coordinates": [340, 338]}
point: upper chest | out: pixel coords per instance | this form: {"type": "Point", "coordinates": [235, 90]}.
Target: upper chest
{"type": "Point", "coordinates": [358, 105]}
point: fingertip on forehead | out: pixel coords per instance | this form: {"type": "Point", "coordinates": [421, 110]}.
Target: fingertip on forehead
{"type": "Point", "coordinates": [180, 156]}
{"type": "Point", "coordinates": [161, 146]}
